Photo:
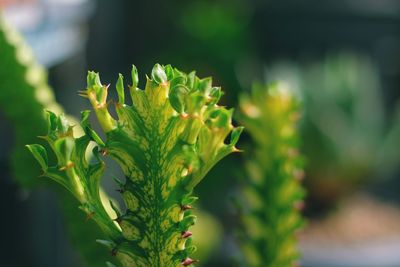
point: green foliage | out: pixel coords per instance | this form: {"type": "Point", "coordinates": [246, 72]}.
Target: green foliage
{"type": "Point", "coordinates": [165, 143]}
{"type": "Point", "coordinates": [272, 194]}
{"type": "Point", "coordinates": [24, 93]}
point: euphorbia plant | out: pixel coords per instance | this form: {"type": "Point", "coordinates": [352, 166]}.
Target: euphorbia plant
{"type": "Point", "coordinates": [272, 193]}
{"type": "Point", "coordinates": [165, 142]}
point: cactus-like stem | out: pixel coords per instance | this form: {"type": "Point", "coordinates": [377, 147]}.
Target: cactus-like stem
{"type": "Point", "coordinates": [272, 192]}
{"type": "Point", "coordinates": [165, 143]}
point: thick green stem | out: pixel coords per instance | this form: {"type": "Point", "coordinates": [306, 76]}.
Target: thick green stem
{"type": "Point", "coordinates": [165, 143]}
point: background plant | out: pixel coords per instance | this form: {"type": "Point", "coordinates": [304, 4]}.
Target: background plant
{"type": "Point", "coordinates": [349, 137]}
{"type": "Point", "coordinates": [24, 94]}
{"type": "Point", "coordinates": [165, 143]}
{"type": "Point", "coordinates": [271, 192]}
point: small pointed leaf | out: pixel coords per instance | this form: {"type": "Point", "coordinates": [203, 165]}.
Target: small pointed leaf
{"type": "Point", "coordinates": [120, 89]}
{"type": "Point", "coordinates": [40, 154]}
{"type": "Point", "coordinates": [134, 76]}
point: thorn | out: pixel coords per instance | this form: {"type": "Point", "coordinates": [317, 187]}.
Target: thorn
{"type": "Point", "coordinates": [298, 174]}
{"type": "Point", "coordinates": [186, 234]}
{"type": "Point", "coordinates": [188, 261]}
{"type": "Point", "coordinates": [236, 150]}
{"type": "Point", "coordinates": [118, 220]}
{"type": "Point", "coordinates": [104, 152]}
{"type": "Point", "coordinates": [299, 205]}
{"type": "Point", "coordinates": [118, 105]}
{"type": "Point", "coordinates": [292, 152]}
{"type": "Point", "coordinates": [68, 166]}
{"type": "Point", "coordinates": [184, 115]}
{"type": "Point", "coordinates": [114, 252]}
{"type": "Point", "coordinates": [189, 169]}
{"type": "Point", "coordinates": [83, 94]}
{"type": "Point", "coordinates": [89, 216]}
{"type": "Point", "coordinates": [186, 207]}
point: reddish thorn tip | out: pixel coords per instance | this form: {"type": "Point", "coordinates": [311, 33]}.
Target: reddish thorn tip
{"type": "Point", "coordinates": [299, 205]}
{"type": "Point", "coordinates": [184, 116]}
{"type": "Point", "coordinates": [104, 152]}
{"type": "Point", "coordinates": [114, 252]}
{"type": "Point", "coordinates": [186, 207]}
{"type": "Point", "coordinates": [68, 166]}
{"type": "Point", "coordinates": [89, 216]}
{"type": "Point", "coordinates": [188, 261]}
{"type": "Point", "coordinates": [299, 175]}
{"type": "Point", "coordinates": [186, 234]}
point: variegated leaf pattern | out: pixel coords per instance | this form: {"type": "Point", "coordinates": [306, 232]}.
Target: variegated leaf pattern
{"type": "Point", "coordinates": [165, 142]}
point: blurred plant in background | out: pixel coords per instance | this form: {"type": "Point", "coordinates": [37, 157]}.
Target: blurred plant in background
{"type": "Point", "coordinates": [349, 137]}
{"type": "Point", "coordinates": [23, 81]}
{"type": "Point", "coordinates": [24, 95]}
{"type": "Point", "coordinates": [272, 193]}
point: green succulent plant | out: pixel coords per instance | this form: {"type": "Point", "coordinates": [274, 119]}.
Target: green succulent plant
{"type": "Point", "coordinates": [272, 195]}
{"type": "Point", "coordinates": [165, 143]}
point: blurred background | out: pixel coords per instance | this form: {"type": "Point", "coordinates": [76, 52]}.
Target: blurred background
{"type": "Point", "coordinates": [341, 58]}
